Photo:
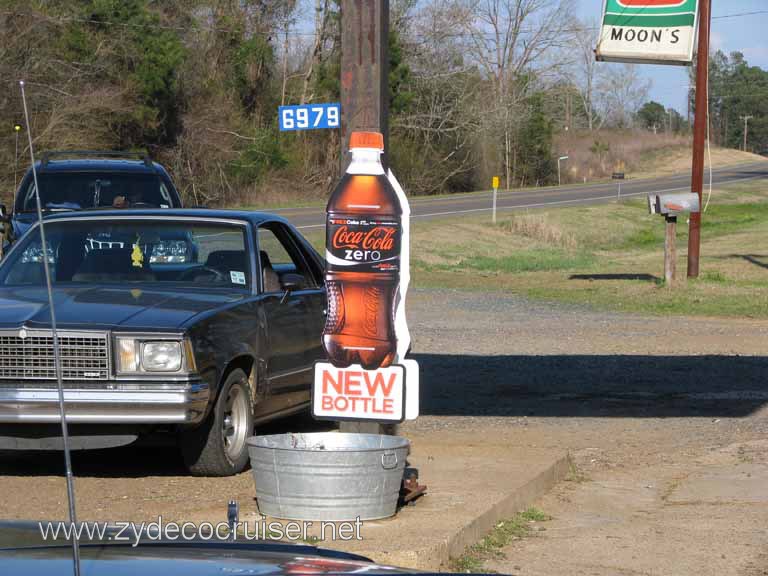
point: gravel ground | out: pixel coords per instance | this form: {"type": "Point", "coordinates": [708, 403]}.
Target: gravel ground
{"type": "Point", "coordinates": [638, 401]}
{"type": "Point", "coordinates": [666, 420]}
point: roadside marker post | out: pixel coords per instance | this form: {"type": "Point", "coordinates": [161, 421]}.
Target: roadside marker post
{"type": "Point", "coordinates": [495, 186]}
{"type": "Point", "coordinates": [618, 176]}
{"type": "Point", "coordinates": [561, 159]}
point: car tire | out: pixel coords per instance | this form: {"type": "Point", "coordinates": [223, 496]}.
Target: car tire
{"type": "Point", "coordinates": [218, 446]}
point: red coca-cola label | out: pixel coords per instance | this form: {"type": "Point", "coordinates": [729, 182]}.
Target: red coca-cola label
{"type": "Point", "coordinates": [362, 243]}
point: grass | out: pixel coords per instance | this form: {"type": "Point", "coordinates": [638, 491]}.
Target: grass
{"type": "Point", "coordinates": [574, 474]}
{"type": "Point", "coordinates": [607, 256]}
{"type": "Point", "coordinates": [491, 547]}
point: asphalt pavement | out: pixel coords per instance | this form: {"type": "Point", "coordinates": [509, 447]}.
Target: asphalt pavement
{"type": "Point", "coordinates": [477, 202]}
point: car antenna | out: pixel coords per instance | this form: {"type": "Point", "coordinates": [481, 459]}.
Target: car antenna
{"type": "Point", "coordinates": [56, 351]}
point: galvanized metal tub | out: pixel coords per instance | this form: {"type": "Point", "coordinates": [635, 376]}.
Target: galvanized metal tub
{"type": "Point", "coordinates": [328, 475]}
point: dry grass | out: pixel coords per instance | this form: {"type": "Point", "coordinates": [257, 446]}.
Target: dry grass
{"type": "Point", "coordinates": [637, 153]}
{"type": "Point", "coordinates": [564, 254]}
{"type": "Point", "coordinates": [596, 155]}
{"type": "Point", "coordinates": [538, 227]}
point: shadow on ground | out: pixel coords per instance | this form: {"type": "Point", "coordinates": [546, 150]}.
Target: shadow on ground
{"type": "Point", "coordinates": [642, 277]}
{"type": "Point", "coordinates": [592, 386]}
{"type": "Point", "coordinates": [157, 456]}
{"type": "Point", "coordinates": [465, 385]}
{"type": "Point", "coordinates": [759, 260]}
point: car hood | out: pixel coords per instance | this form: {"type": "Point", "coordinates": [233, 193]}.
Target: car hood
{"type": "Point", "coordinates": [23, 551]}
{"type": "Point", "coordinates": [132, 308]}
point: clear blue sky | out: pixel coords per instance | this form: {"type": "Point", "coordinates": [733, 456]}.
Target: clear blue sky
{"type": "Point", "coordinates": [747, 34]}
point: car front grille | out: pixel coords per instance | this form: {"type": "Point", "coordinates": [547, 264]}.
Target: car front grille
{"type": "Point", "coordinates": [28, 355]}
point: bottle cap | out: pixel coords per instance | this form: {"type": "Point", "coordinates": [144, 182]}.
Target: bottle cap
{"type": "Point", "coordinates": [366, 140]}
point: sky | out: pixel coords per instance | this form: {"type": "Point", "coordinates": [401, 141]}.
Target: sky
{"type": "Point", "coordinates": [747, 34]}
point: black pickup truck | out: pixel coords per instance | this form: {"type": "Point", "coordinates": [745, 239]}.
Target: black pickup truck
{"type": "Point", "coordinates": [84, 179]}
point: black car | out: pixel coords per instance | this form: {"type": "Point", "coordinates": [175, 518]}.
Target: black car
{"type": "Point", "coordinates": [24, 551]}
{"type": "Point", "coordinates": [207, 342]}
{"type": "Point", "coordinates": [78, 180]}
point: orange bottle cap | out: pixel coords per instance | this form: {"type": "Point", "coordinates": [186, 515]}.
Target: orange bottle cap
{"type": "Point", "coordinates": [366, 140]}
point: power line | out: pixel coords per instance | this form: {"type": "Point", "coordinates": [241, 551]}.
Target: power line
{"type": "Point", "coordinates": [739, 14]}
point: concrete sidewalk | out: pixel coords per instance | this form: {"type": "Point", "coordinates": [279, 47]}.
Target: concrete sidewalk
{"type": "Point", "coordinates": [470, 488]}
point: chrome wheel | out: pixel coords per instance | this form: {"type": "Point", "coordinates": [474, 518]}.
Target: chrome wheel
{"type": "Point", "coordinates": [235, 422]}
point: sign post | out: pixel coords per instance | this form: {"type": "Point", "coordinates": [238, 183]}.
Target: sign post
{"type": "Point", "coordinates": [699, 137]}
{"type": "Point", "coordinates": [561, 159]}
{"type": "Point", "coordinates": [663, 32]}
{"type": "Point", "coordinates": [495, 186]}
{"type": "Point", "coordinates": [618, 176]}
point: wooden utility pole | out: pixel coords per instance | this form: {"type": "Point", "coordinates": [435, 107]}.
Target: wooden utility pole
{"type": "Point", "coordinates": [699, 136]}
{"type": "Point", "coordinates": [746, 129]}
{"type": "Point", "coordinates": [364, 99]}
{"type": "Point", "coordinates": [364, 70]}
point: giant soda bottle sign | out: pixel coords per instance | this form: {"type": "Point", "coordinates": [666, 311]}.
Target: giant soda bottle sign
{"type": "Point", "coordinates": [367, 259]}
{"type": "Point", "coordinates": [648, 31]}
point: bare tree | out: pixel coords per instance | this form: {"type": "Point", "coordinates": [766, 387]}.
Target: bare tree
{"type": "Point", "coordinates": [623, 90]}
{"type": "Point", "coordinates": [510, 40]}
{"type": "Point", "coordinates": [321, 27]}
{"type": "Point", "coordinates": [585, 73]}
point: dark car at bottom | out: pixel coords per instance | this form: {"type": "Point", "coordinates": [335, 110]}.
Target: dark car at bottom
{"type": "Point", "coordinates": [24, 551]}
{"type": "Point", "coordinates": [205, 340]}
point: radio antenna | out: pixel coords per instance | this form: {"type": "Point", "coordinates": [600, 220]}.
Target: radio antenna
{"type": "Point", "coordinates": [56, 351]}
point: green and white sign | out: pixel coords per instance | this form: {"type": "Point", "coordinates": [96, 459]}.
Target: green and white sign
{"type": "Point", "coordinates": [648, 31]}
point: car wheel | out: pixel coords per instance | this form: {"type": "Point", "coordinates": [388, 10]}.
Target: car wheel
{"type": "Point", "coordinates": [218, 446]}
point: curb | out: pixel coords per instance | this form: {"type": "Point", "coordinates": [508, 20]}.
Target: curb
{"type": "Point", "coordinates": [515, 502]}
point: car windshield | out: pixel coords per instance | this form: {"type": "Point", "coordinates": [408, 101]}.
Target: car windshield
{"type": "Point", "coordinates": [119, 251]}
{"type": "Point", "coordinates": [81, 190]}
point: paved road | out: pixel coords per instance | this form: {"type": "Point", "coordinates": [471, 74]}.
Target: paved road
{"type": "Point", "coordinates": [314, 217]}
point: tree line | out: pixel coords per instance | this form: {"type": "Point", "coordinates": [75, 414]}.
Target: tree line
{"type": "Point", "coordinates": [477, 88]}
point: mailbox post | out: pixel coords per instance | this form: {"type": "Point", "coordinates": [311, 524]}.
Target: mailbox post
{"type": "Point", "coordinates": [670, 249]}
{"type": "Point", "coordinates": [670, 206]}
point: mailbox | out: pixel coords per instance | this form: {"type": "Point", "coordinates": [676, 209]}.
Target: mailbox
{"type": "Point", "coordinates": [673, 204]}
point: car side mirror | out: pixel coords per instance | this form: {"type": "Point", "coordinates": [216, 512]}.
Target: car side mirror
{"type": "Point", "coordinates": [290, 282]}
{"type": "Point", "coordinates": [3, 212]}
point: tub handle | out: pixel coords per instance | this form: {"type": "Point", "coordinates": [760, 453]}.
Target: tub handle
{"type": "Point", "coordinates": [389, 460]}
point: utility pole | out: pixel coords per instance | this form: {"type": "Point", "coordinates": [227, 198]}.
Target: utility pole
{"type": "Point", "coordinates": [364, 99]}
{"type": "Point", "coordinates": [746, 129]}
{"type": "Point", "coordinates": [364, 71]}
{"type": "Point", "coordinates": [699, 136]}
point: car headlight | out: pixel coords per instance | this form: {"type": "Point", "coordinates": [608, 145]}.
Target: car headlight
{"type": "Point", "coordinates": [161, 356]}
{"type": "Point", "coordinates": [137, 355]}
{"type": "Point", "coordinates": [169, 252]}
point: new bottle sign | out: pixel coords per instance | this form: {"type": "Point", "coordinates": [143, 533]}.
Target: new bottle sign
{"type": "Point", "coordinates": [366, 336]}
{"type": "Point", "coordinates": [349, 393]}
{"type": "Point", "coordinates": [648, 31]}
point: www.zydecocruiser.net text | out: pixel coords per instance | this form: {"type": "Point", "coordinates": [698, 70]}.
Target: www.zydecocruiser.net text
{"type": "Point", "coordinates": [156, 530]}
